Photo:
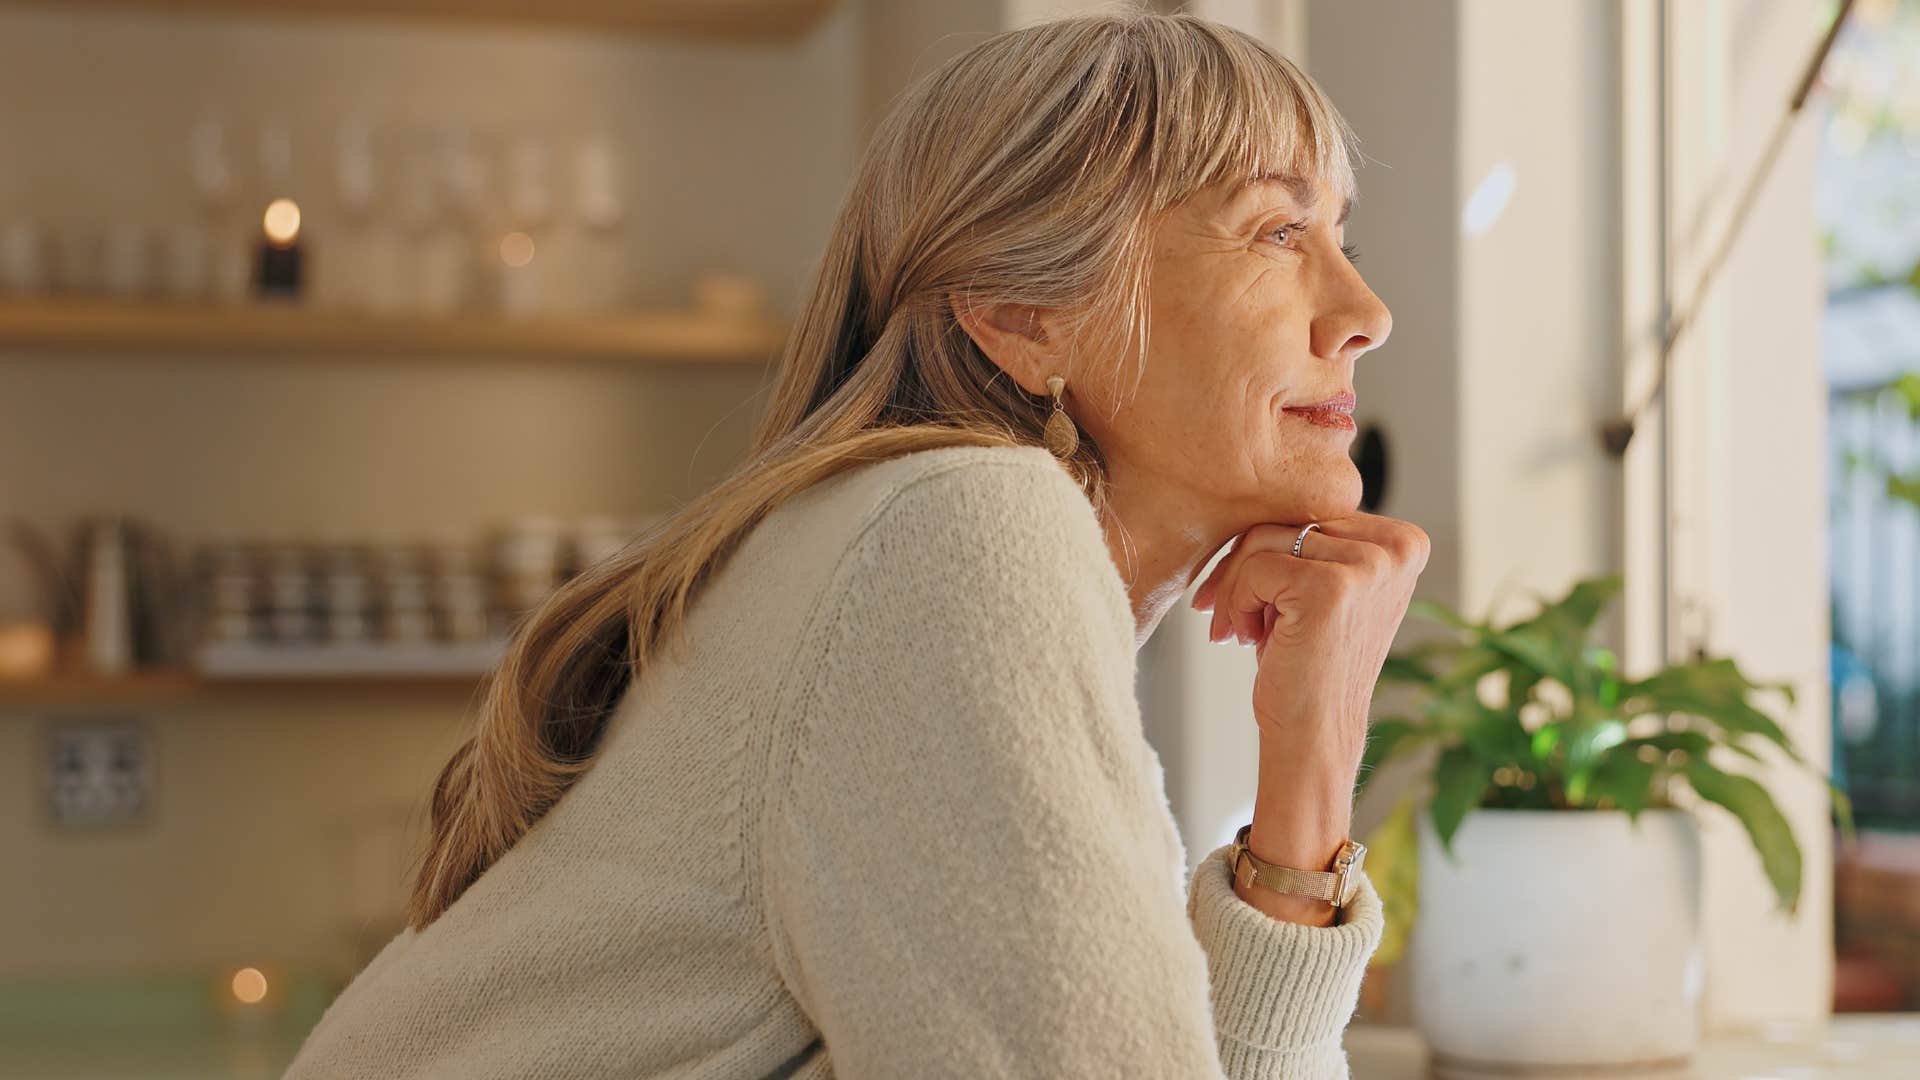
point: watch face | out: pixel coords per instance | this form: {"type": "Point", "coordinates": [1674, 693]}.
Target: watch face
{"type": "Point", "coordinates": [1355, 855]}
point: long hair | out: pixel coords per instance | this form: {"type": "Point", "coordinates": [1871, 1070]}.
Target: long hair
{"type": "Point", "coordinates": [1030, 169]}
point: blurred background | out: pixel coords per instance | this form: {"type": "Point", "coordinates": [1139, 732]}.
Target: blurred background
{"type": "Point", "coordinates": [334, 334]}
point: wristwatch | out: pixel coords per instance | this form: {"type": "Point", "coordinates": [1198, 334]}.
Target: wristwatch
{"type": "Point", "coordinates": [1335, 886]}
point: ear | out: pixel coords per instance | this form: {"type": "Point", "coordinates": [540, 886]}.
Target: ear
{"type": "Point", "coordinates": [1018, 338]}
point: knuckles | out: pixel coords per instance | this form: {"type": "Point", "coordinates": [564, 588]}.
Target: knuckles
{"type": "Point", "coordinates": [1402, 550]}
{"type": "Point", "coordinates": [1415, 546]}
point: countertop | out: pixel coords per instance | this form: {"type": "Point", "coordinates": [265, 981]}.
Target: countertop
{"type": "Point", "coordinates": [1857, 1046]}
{"type": "Point", "coordinates": [1850, 1046]}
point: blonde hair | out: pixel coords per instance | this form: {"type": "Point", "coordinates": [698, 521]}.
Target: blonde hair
{"type": "Point", "coordinates": [1030, 169]}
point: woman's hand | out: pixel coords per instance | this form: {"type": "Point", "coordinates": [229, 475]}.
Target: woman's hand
{"type": "Point", "coordinates": [1321, 624]}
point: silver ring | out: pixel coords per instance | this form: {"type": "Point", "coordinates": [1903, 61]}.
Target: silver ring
{"type": "Point", "coordinates": [1302, 538]}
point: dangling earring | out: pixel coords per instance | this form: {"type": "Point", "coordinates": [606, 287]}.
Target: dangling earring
{"type": "Point", "coordinates": [1063, 438]}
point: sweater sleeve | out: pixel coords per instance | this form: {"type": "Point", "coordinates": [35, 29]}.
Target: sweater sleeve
{"type": "Point", "coordinates": [970, 865]}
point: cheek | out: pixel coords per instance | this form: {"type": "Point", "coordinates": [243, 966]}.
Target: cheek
{"type": "Point", "coordinates": [1240, 360]}
{"type": "Point", "coordinates": [1218, 331]}
{"type": "Point", "coordinates": [1209, 401]}
{"type": "Point", "coordinates": [1222, 352]}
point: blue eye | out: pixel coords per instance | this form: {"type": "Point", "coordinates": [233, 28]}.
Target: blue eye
{"type": "Point", "coordinates": [1292, 226]}
{"type": "Point", "coordinates": [1351, 252]}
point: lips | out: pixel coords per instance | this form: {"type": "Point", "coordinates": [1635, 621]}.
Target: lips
{"type": "Point", "coordinates": [1334, 412]}
{"type": "Point", "coordinates": [1341, 402]}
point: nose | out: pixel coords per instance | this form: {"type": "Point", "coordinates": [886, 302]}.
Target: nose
{"type": "Point", "coordinates": [1352, 320]}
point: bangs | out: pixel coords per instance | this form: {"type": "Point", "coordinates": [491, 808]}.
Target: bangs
{"type": "Point", "coordinates": [1236, 110]}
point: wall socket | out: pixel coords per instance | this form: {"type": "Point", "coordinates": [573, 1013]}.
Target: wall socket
{"type": "Point", "coordinates": [99, 772]}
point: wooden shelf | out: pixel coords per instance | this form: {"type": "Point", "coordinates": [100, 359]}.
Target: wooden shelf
{"type": "Point", "coordinates": [165, 687]}
{"type": "Point", "coordinates": [689, 336]}
{"type": "Point", "coordinates": [722, 19]}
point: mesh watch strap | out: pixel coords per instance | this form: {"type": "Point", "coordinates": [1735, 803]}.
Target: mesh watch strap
{"type": "Point", "coordinates": [1247, 868]}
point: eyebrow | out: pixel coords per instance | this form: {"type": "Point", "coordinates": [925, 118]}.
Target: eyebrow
{"type": "Point", "coordinates": [1297, 186]}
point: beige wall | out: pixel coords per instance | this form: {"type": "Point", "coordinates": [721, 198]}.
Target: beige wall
{"type": "Point", "coordinates": [280, 825]}
{"type": "Point", "coordinates": [279, 837]}
{"type": "Point", "coordinates": [904, 39]}
{"type": "Point", "coordinates": [1750, 540]}
{"type": "Point", "coordinates": [733, 149]}
{"type": "Point", "coordinates": [1539, 343]}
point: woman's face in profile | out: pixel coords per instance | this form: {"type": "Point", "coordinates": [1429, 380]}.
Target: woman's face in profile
{"type": "Point", "coordinates": [1255, 308]}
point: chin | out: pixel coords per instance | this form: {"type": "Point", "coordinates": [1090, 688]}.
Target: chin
{"type": "Point", "coordinates": [1332, 496]}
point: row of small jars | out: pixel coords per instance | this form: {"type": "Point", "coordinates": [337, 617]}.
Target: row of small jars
{"type": "Point", "coordinates": [348, 593]}
{"type": "Point", "coordinates": [399, 593]}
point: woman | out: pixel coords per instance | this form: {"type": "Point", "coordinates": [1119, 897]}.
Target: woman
{"type": "Point", "coordinates": [839, 772]}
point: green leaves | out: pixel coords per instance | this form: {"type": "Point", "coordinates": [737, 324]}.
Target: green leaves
{"type": "Point", "coordinates": [1906, 389]}
{"type": "Point", "coordinates": [1553, 642]}
{"type": "Point", "coordinates": [1534, 648]}
{"type": "Point", "coordinates": [1383, 738]}
{"type": "Point", "coordinates": [1842, 809]}
{"type": "Point", "coordinates": [1584, 602]}
{"type": "Point", "coordinates": [1498, 737]}
{"type": "Point", "coordinates": [1908, 384]}
{"type": "Point", "coordinates": [1625, 781]}
{"type": "Point", "coordinates": [1440, 613]}
{"type": "Point", "coordinates": [1572, 733]}
{"type": "Point", "coordinates": [1904, 486]}
{"type": "Point", "coordinates": [1586, 739]}
{"type": "Point", "coordinates": [1459, 778]}
{"type": "Point", "coordinates": [1765, 825]}
{"type": "Point", "coordinates": [1393, 865]}
{"type": "Point", "coordinates": [1544, 740]}
{"type": "Point", "coordinates": [1405, 667]}
{"type": "Point", "coordinates": [1714, 690]}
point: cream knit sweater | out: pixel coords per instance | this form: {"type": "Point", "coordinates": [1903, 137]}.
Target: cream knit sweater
{"type": "Point", "coordinates": [891, 814]}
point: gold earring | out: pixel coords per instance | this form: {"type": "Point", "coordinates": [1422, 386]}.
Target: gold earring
{"type": "Point", "coordinates": [1063, 438]}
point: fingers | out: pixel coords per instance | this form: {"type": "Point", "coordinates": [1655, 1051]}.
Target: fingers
{"type": "Point", "coordinates": [1374, 544]}
{"type": "Point", "coordinates": [1406, 542]}
{"type": "Point", "coordinates": [1203, 596]}
{"type": "Point", "coordinates": [1277, 581]}
{"type": "Point", "coordinates": [1318, 544]}
{"type": "Point", "coordinates": [1268, 617]}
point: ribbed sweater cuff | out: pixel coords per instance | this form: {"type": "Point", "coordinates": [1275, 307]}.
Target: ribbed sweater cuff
{"type": "Point", "coordinates": [1280, 987]}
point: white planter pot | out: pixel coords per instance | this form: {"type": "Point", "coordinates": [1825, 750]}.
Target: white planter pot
{"type": "Point", "coordinates": [1558, 941]}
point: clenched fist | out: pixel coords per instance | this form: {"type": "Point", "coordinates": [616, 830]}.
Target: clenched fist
{"type": "Point", "coordinates": [1321, 624]}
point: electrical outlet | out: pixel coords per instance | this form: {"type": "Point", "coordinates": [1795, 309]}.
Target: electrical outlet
{"type": "Point", "coordinates": [99, 772]}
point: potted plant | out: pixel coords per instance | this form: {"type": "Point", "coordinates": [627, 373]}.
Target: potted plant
{"type": "Point", "coordinates": [1558, 880]}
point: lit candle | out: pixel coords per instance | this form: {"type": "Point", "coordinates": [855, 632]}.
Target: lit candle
{"type": "Point", "coordinates": [249, 986]}
{"type": "Point", "coordinates": [519, 283]}
{"type": "Point", "coordinates": [279, 265]}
